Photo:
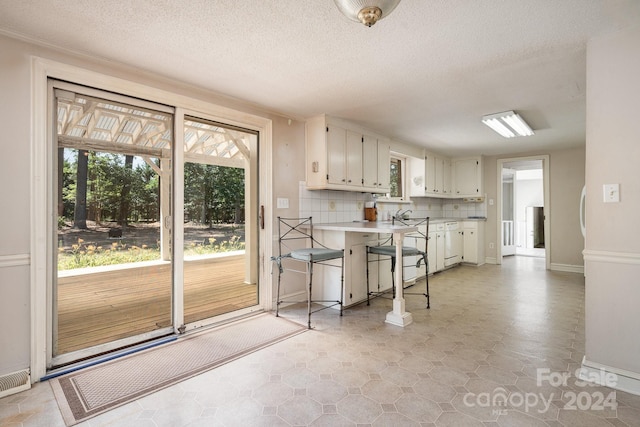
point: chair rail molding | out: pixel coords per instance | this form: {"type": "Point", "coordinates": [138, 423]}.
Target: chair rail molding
{"type": "Point", "coordinates": [14, 260]}
{"type": "Point", "coordinates": [613, 257]}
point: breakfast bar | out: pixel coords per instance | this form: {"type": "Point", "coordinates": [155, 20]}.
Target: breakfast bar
{"type": "Point", "coordinates": [398, 316]}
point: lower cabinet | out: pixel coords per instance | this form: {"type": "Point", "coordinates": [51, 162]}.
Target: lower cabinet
{"type": "Point", "coordinates": [327, 279]}
{"type": "Point", "coordinates": [473, 241]}
{"type": "Point", "coordinates": [435, 250]}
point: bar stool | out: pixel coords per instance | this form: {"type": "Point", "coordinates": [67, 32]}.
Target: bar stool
{"type": "Point", "coordinates": [389, 250]}
{"type": "Point", "coordinates": [296, 242]}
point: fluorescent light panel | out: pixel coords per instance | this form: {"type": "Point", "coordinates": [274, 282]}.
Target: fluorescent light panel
{"type": "Point", "coordinates": [508, 124]}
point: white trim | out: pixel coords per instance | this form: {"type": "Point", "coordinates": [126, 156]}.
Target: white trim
{"type": "Point", "coordinates": [567, 267]}
{"type": "Point", "coordinates": [41, 208]}
{"type": "Point", "coordinates": [491, 260]}
{"type": "Point", "coordinates": [626, 381]}
{"type": "Point", "coordinates": [547, 205]}
{"type": "Point", "coordinates": [14, 260]}
{"type": "Point", "coordinates": [614, 257]}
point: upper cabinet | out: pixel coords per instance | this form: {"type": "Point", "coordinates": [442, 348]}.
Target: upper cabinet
{"type": "Point", "coordinates": [438, 176]}
{"type": "Point", "coordinates": [342, 157]}
{"type": "Point", "coordinates": [467, 177]}
{"type": "Point", "coordinates": [376, 158]}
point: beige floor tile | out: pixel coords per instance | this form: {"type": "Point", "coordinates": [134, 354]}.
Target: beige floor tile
{"type": "Point", "coordinates": [491, 330]}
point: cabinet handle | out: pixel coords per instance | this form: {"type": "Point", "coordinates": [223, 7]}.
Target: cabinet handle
{"type": "Point", "coordinates": [343, 180]}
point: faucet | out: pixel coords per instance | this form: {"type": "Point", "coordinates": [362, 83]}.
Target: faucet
{"type": "Point", "coordinates": [401, 213]}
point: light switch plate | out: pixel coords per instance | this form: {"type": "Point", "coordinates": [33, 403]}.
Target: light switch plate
{"type": "Point", "coordinates": [611, 193]}
{"type": "Point", "coordinates": [282, 203]}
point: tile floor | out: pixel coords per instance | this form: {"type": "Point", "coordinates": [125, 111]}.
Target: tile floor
{"type": "Point", "coordinates": [490, 352]}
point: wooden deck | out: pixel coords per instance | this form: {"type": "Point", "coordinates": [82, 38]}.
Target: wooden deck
{"type": "Point", "coordinates": [102, 307]}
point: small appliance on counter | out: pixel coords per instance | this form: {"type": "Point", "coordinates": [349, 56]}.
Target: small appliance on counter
{"type": "Point", "coordinates": [370, 212]}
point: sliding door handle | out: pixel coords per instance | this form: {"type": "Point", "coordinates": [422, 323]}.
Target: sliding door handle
{"type": "Point", "coordinates": [262, 217]}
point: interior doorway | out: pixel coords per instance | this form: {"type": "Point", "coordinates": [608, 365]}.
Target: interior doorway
{"type": "Point", "coordinates": [523, 200]}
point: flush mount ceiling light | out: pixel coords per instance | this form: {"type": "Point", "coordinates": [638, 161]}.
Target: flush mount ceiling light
{"type": "Point", "coordinates": [508, 124]}
{"type": "Point", "coordinates": [366, 11]}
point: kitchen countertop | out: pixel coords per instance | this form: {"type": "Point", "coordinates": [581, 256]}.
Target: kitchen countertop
{"type": "Point", "coordinates": [365, 227]}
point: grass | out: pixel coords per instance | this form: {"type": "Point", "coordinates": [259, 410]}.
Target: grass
{"type": "Point", "coordinates": [84, 254]}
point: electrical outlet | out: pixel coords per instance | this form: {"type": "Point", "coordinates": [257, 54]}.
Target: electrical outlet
{"type": "Point", "coordinates": [491, 245]}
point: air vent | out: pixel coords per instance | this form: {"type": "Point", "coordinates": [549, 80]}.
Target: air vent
{"type": "Point", "coordinates": [14, 383]}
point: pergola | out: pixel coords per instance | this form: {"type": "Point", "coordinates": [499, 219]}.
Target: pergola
{"type": "Point", "coordinates": [87, 122]}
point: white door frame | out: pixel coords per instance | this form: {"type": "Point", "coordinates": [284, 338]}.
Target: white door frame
{"type": "Point", "coordinates": [42, 210]}
{"type": "Point", "coordinates": [547, 205]}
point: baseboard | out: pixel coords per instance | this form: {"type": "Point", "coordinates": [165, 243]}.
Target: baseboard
{"type": "Point", "coordinates": [604, 375]}
{"type": "Point", "coordinates": [14, 382]}
{"type": "Point", "coordinates": [567, 267]}
{"type": "Point", "coordinates": [490, 260]}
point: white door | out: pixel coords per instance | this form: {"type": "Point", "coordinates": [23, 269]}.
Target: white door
{"type": "Point", "coordinates": [508, 206]}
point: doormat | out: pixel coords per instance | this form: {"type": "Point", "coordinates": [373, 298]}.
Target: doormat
{"type": "Point", "coordinates": [86, 393]}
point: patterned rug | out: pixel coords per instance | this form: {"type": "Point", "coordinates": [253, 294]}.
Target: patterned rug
{"type": "Point", "coordinates": [86, 393]}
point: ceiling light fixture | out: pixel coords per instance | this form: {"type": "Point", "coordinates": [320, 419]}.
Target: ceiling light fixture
{"type": "Point", "coordinates": [507, 124]}
{"type": "Point", "coordinates": [366, 11]}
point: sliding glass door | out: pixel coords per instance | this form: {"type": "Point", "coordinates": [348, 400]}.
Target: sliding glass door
{"type": "Point", "coordinates": [114, 266]}
{"type": "Point", "coordinates": [113, 283]}
{"type": "Point", "coordinates": [220, 262]}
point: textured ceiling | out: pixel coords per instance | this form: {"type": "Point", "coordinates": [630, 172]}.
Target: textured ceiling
{"type": "Point", "coordinates": [425, 75]}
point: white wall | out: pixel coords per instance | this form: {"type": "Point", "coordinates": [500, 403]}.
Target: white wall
{"type": "Point", "coordinates": [612, 253]}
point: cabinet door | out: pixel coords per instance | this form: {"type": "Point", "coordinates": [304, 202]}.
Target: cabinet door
{"type": "Point", "coordinates": [384, 160]}
{"type": "Point", "coordinates": [336, 160]}
{"type": "Point", "coordinates": [417, 185]}
{"type": "Point", "coordinates": [370, 162]}
{"type": "Point", "coordinates": [430, 174]}
{"type": "Point", "coordinates": [470, 250]}
{"type": "Point", "coordinates": [439, 250]}
{"type": "Point", "coordinates": [439, 175]}
{"type": "Point", "coordinates": [356, 267]}
{"type": "Point", "coordinates": [435, 251]}
{"type": "Point", "coordinates": [354, 159]}
{"type": "Point", "coordinates": [446, 178]}
{"type": "Point", "coordinates": [467, 177]}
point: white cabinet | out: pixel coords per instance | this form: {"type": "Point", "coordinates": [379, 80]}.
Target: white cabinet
{"type": "Point", "coordinates": [446, 177]}
{"type": "Point", "coordinates": [344, 157]}
{"type": "Point", "coordinates": [353, 155]}
{"type": "Point", "coordinates": [376, 158]}
{"type": "Point", "coordinates": [327, 279]}
{"type": "Point", "coordinates": [435, 250]}
{"type": "Point", "coordinates": [473, 242]}
{"type": "Point", "coordinates": [417, 184]}
{"type": "Point", "coordinates": [467, 177]}
{"type": "Point", "coordinates": [431, 176]}
{"type": "Point", "coordinates": [338, 159]}
{"type": "Point", "coordinates": [335, 166]}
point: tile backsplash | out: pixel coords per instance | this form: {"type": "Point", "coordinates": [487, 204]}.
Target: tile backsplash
{"type": "Point", "coordinates": [327, 206]}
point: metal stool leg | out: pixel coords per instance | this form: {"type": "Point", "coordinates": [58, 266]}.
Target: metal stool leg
{"type": "Point", "coordinates": [310, 264]}
{"type": "Point", "coordinates": [278, 292]}
{"type": "Point", "coordinates": [426, 279]}
{"type": "Point", "coordinates": [342, 286]}
{"type": "Point", "coordinates": [368, 290]}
